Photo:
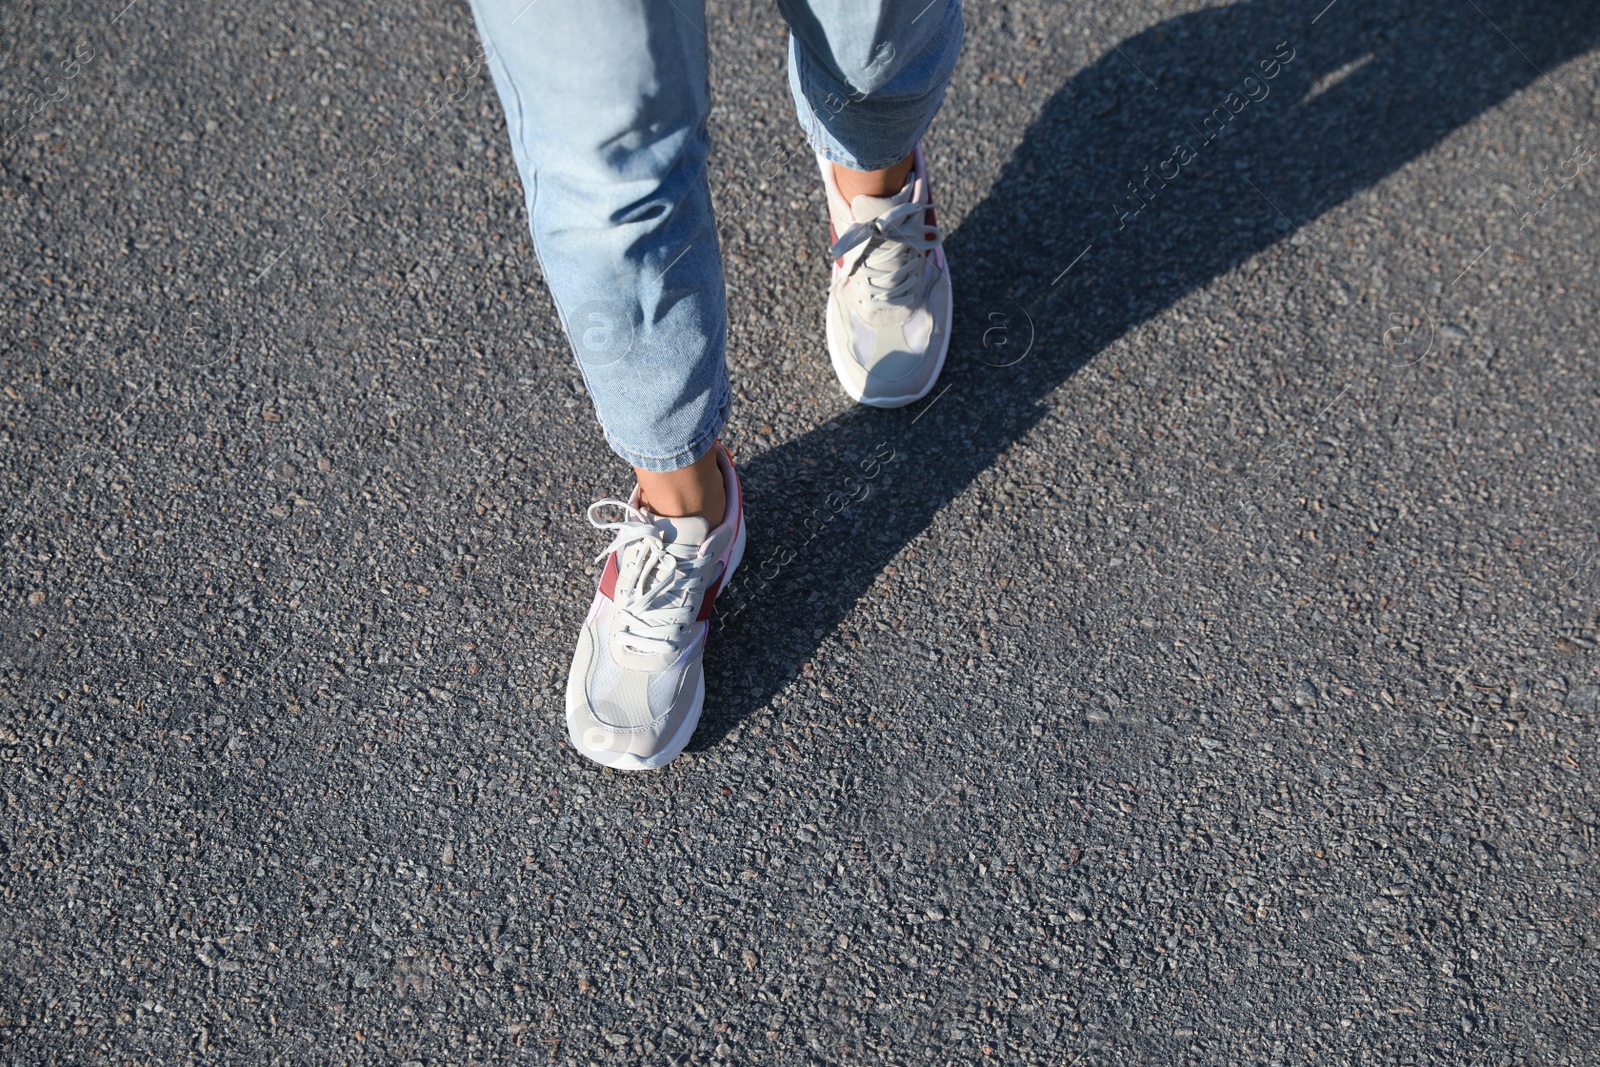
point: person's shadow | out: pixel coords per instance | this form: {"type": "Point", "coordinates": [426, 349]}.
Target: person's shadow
{"type": "Point", "coordinates": [1353, 96]}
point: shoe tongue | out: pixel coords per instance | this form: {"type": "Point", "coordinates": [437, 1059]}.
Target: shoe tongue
{"type": "Point", "coordinates": [688, 532]}
{"type": "Point", "coordinates": [865, 208]}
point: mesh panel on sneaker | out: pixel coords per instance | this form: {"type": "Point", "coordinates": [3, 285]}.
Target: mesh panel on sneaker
{"type": "Point", "coordinates": [630, 699]}
{"type": "Point", "coordinates": [619, 698]}
{"type": "Point", "coordinates": [663, 691]}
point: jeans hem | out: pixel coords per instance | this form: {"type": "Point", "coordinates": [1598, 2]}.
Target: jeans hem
{"type": "Point", "coordinates": [810, 82]}
{"type": "Point", "coordinates": [697, 447]}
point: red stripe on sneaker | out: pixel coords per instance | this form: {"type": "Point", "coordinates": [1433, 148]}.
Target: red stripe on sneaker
{"type": "Point", "coordinates": [705, 605]}
{"type": "Point", "coordinates": [608, 578]}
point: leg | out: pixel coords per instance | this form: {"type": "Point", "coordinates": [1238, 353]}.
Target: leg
{"type": "Point", "coordinates": [606, 103]}
{"type": "Point", "coordinates": [868, 78]}
{"type": "Point", "coordinates": [885, 181]}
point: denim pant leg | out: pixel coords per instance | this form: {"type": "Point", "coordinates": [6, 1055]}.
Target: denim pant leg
{"type": "Point", "coordinates": [869, 75]}
{"type": "Point", "coordinates": [606, 104]}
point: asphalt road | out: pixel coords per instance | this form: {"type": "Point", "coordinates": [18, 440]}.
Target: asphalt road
{"type": "Point", "coordinates": [1209, 677]}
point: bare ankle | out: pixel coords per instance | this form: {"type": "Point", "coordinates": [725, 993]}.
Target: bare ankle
{"type": "Point", "coordinates": [696, 490]}
{"type": "Point", "coordinates": [886, 182]}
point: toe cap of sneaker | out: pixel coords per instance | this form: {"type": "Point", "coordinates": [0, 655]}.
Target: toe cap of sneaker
{"type": "Point", "coordinates": [890, 360]}
{"type": "Point", "coordinates": [622, 725]}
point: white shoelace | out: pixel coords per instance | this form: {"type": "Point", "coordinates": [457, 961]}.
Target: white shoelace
{"type": "Point", "coordinates": [891, 263]}
{"type": "Point", "coordinates": [654, 605]}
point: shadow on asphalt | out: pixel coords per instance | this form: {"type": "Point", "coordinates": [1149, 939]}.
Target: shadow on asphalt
{"type": "Point", "coordinates": [1366, 89]}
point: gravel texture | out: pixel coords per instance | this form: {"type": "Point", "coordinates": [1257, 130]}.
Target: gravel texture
{"type": "Point", "coordinates": [1208, 676]}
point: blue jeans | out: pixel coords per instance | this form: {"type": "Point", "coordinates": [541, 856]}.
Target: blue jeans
{"type": "Point", "coordinates": [606, 103]}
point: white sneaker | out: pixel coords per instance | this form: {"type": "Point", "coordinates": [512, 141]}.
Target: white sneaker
{"type": "Point", "coordinates": [889, 301]}
{"type": "Point", "coordinates": [636, 688]}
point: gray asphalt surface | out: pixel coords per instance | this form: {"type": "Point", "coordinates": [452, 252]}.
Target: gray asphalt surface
{"type": "Point", "coordinates": [1209, 677]}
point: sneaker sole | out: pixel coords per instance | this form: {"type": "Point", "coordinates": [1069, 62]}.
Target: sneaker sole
{"type": "Point", "coordinates": [839, 351]}
{"type": "Point", "coordinates": [627, 761]}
